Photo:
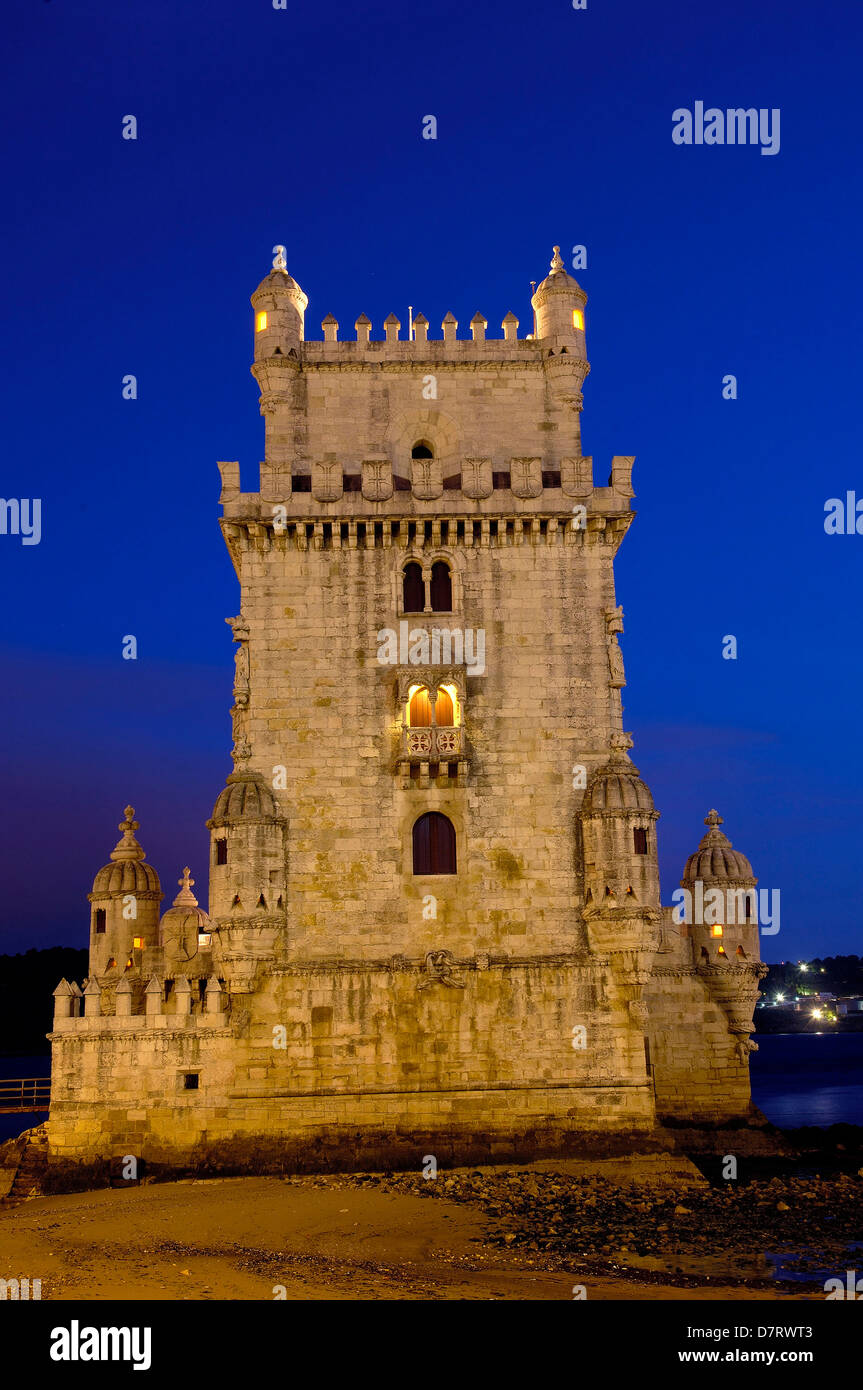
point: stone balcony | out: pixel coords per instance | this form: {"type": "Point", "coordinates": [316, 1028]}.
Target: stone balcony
{"type": "Point", "coordinates": [435, 753]}
{"type": "Point", "coordinates": [432, 744]}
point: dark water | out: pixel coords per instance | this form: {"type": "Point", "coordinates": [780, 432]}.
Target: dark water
{"type": "Point", "coordinates": [22, 1067]}
{"type": "Point", "coordinates": [809, 1078]}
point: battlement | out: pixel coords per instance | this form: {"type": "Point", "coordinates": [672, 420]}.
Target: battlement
{"type": "Point", "coordinates": [132, 1005]}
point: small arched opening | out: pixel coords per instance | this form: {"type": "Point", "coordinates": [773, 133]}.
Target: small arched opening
{"type": "Point", "coordinates": [434, 850]}
{"type": "Point", "coordinates": [413, 588]}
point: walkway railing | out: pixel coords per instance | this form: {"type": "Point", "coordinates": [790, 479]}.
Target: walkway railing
{"type": "Point", "coordinates": [27, 1095]}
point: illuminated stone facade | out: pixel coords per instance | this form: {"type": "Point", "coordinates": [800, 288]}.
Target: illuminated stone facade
{"type": "Point", "coordinates": [434, 922]}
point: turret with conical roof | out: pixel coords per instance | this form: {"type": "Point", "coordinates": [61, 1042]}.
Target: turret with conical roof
{"type": "Point", "coordinates": [124, 914]}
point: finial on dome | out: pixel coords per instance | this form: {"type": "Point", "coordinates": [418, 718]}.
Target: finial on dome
{"type": "Point", "coordinates": [713, 819]}
{"type": "Point", "coordinates": [279, 262]}
{"type": "Point", "coordinates": [128, 847]}
{"type": "Point", "coordinates": [557, 260]}
{"type": "Point", "coordinates": [185, 897]}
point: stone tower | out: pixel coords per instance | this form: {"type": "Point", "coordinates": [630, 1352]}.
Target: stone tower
{"type": "Point", "coordinates": [434, 922]}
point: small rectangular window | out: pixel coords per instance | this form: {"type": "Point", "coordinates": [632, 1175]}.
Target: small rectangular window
{"type": "Point", "coordinates": [550, 477]}
{"type": "Point", "coordinates": [301, 482]}
{"type": "Point", "coordinates": [501, 480]}
{"type": "Point", "coordinates": [138, 943]}
{"type": "Point", "coordinates": [99, 925]}
{"type": "Point", "coordinates": [577, 318]}
{"type": "Point", "coordinates": [191, 1080]}
{"type": "Point", "coordinates": [352, 482]}
{"type": "Point", "coordinates": [261, 322]}
{"type": "Point", "coordinates": [640, 837]}
{"type": "Point", "coordinates": [221, 851]}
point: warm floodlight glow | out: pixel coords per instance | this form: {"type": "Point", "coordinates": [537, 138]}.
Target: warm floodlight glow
{"type": "Point", "coordinates": [577, 318]}
{"type": "Point", "coordinates": [717, 930]}
{"type": "Point", "coordinates": [261, 322]}
{"type": "Point", "coordinates": [138, 943]}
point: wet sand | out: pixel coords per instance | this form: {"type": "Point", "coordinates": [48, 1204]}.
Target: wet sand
{"type": "Point", "coordinates": [319, 1238]}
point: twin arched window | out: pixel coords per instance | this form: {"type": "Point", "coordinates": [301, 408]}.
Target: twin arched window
{"type": "Point", "coordinates": [414, 588]}
{"type": "Point", "coordinates": [420, 708]}
{"type": "Point", "coordinates": [434, 844]}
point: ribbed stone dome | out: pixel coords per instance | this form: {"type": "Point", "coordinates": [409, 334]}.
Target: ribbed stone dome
{"type": "Point", "coordinates": [616, 787]}
{"type": "Point", "coordinates": [280, 282]}
{"type": "Point", "coordinates": [715, 860]}
{"type": "Point", "coordinates": [559, 278]}
{"type": "Point", "coordinates": [245, 797]}
{"type": "Point", "coordinates": [127, 872]}
{"type": "Point", "coordinates": [129, 876]}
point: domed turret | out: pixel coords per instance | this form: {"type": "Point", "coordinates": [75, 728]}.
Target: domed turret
{"type": "Point", "coordinates": [621, 875]}
{"type": "Point", "coordinates": [247, 877]}
{"type": "Point", "coordinates": [721, 917]}
{"type": "Point", "coordinates": [722, 904]}
{"type": "Point", "coordinates": [559, 306]}
{"type": "Point", "coordinates": [716, 862]}
{"type": "Point", "coordinates": [182, 928]}
{"type": "Point", "coordinates": [280, 306]}
{"type": "Point", "coordinates": [124, 904]}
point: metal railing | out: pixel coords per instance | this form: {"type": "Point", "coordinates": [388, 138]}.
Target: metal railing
{"type": "Point", "coordinates": [25, 1095]}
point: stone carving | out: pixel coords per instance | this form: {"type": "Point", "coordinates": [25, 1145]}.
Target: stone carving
{"type": "Point", "coordinates": [377, 479]}
{"type": "Point", "coordinates": [327, 481]}
{"type": "Point", "coordinates": [439, 967]}
{"type": "Point", "coordinates": [426, 478]}
{"type": "Point", "coordinates": [613, 625]}
{"type": "Point", "coordinates": [526, 476]}
{"type": "Point", "coordinates": [476, 477]}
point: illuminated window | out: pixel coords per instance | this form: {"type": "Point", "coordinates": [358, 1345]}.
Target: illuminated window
{"type": "Point", "coordinates": [716, 931]}
{"type": "Point", "coordinates": [138, 943]}
{"type": "Point", "coordinates": [419, 709]}
{"type": "Point", "coordinates": [577, 318]}
{"type": "Point", "coordinates": [443, 711]}
{"type": "Point", "coordinates": [261, 322]}
{"type": "Point", "coordinates": [203, 938]}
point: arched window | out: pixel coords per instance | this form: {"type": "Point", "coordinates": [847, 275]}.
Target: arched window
{"type": "Point", "coordinates": [434, 844]}
{"type": "Point", "coordinates": [422, 450]}
{"type": "Point", "coordinates": [419, 710]}
{"type": "Point", "coordinates": [443, 710]}
{"type": "Point", "coordinates": [413, 588]}
{"type": "Point", "coordinates": [441, 587]}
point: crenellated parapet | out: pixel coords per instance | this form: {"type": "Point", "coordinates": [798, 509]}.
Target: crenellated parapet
{"type": "Point", "coordinates": [174, 1002]}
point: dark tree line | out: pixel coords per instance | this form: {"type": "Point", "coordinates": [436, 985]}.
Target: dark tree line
{"type": "Point", "coordinates": [27, 984]}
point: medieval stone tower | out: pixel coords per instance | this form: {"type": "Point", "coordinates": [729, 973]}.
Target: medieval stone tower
{"type": "Point", "coordinates": [434, 921]}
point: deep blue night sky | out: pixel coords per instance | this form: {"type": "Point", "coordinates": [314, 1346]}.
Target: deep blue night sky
{"type": "Point", "coordinates": [303, 126]}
